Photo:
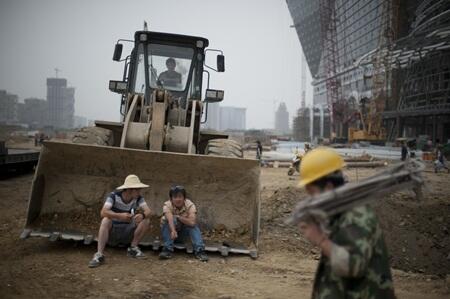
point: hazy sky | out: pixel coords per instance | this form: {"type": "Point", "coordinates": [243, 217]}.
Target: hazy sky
{"type": "Point", "coordinates": [263, 54]}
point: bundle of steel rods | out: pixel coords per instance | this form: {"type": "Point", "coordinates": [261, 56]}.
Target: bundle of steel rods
{"type": "Point", "coordinates": [399, 176]}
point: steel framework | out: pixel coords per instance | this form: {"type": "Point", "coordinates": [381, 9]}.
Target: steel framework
{"type": "Point", "coordinates": [331, 61]}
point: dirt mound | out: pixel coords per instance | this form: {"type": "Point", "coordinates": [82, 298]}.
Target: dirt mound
{"type": "Point", "coordinates": [274, 210]}
{"type": "Point", "coordinates": [416, 233]}
{"type": "Point", "coordinates": [279, 205]}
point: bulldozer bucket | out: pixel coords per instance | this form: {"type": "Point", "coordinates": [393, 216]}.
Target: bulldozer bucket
{"type": "Point", "coordinates": [72, 181]}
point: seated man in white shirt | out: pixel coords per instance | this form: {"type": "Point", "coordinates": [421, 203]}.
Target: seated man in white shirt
{"type": "Point", "coordinates": [180, 221]}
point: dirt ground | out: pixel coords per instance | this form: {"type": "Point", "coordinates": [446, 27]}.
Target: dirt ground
{"type": "Point", "coordinates": [417, 234]}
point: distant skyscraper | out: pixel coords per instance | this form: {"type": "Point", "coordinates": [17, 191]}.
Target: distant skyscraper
{"type": "Point", "coordinates": [61, 101]}
{"type": "Point", "coordinates": [225, 118]}
{"type": "Point", "coordinates": [8, 107]}
{"type": "Point", "coordinates": [232, 118]}
{"type": "Point", "coordinates": [282, 119]}
{"type": "Point", "coordinates": [69, 101]}
{"type": "Point", "coordinates": [80, 121]}
{"type": "Point", "coordinates": [213, 117]}
{"type": "Point", "coordinates": [303, 81]}
{"type": "Point", "coordinates": [34, 112]}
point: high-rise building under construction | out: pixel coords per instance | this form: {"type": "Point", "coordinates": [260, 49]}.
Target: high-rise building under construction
{"type": "Point", "coordinates": [282, 119]}
{"type": "Point", "coordinates": [382, 67]}
{"type": "Point", "coordinates": [61, 101]}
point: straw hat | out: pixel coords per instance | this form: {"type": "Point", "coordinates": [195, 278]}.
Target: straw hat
{"type": "Point", "coordinates": [132, 182]}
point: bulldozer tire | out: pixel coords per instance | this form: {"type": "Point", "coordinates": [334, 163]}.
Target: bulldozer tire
{"type": "Point", "coordinates": [94, 135]}
{"type": "Point", "coordinates": [224, 148]}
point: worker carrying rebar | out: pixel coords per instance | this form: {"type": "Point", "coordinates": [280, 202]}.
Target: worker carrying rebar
{"type": "Point", "coordinates": [354, 261]}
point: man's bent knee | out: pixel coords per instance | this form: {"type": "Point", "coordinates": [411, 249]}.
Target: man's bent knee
{"type": "Point", "coordinates": [144, 223]}
{"type": "Point", "coordinates": [106, 222]}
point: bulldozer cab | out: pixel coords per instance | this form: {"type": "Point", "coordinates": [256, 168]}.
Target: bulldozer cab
{"type": "Point", "coordinates": [166, 61]}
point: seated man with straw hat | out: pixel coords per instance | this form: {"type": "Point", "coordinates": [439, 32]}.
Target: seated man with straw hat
{"type": "Point", "coordinates": [124, 220]}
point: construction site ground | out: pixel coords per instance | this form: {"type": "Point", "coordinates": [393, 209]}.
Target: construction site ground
{"type": "Point", "coordinates": [417, 234]}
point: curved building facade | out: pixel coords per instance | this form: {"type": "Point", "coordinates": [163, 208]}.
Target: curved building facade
{"type": "Point", "coordinates": [415, 62]}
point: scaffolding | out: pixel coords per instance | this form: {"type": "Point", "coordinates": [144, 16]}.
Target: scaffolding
{"type": "Point", "coordinates": [371, 118]}
{"type": "Point", "coordinates": [423, 107]}
{"type": "Point", "coordinates": [331, 63]}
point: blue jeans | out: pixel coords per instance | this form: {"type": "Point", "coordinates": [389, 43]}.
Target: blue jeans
{"type": "Point", "coordinates": [183, 231]}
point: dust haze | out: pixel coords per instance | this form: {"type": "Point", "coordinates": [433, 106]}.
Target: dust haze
{"type": "Point", "coordinates": [263, 54]}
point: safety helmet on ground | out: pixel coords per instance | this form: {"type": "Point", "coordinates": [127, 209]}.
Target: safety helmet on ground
{"type": "Point", "coordinates": [318, 163]}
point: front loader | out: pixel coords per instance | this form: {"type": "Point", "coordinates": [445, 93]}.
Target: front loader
{"type": "Point", "coordinates": [159, 138]}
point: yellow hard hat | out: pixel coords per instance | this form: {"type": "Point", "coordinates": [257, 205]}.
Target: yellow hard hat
{"type": "Point", "coordinates": [318, 163]}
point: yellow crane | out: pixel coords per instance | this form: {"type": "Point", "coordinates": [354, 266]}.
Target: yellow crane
{"type": "Point", "coordinates": [371, 120]}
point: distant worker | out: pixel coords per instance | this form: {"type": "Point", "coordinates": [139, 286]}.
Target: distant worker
{"type": "Point", "coordinates": [404, 151]}
{"type": "Point", "coordinates": [307, 147]}
{"type": "Point", "coordinates": [124, 220]}
{"type": "Point", "coordinates": [438, 143]}
{"type": "Point", "coordinates": [428, 146]}
{"type": "Point", "coordinates": [41, 138]}
{"type": "Point", "coordinates": [259, 150]}
{"type": "Point", "coordinates": [36, 139]}
{"type": "Point", "coordinates": [170, 77]}
{"type": "Point", "coordinates": [354, 261]}
{"type": "Point", "coordinates": [295, 164]}
{"type": "Point", "coordinates": [440, 162]}
{"type": "Point", "coordinates": [179, 221]}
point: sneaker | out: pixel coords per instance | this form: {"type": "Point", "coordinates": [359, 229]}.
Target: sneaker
{"type": "Point", "coordinates": [135, 251]}
{"type": "Point", "coordinates": [165, 254]}
{"type": "Point", "coordinates": [97, 260]}
{"type": "Point", "coordinates": [201, 255]}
